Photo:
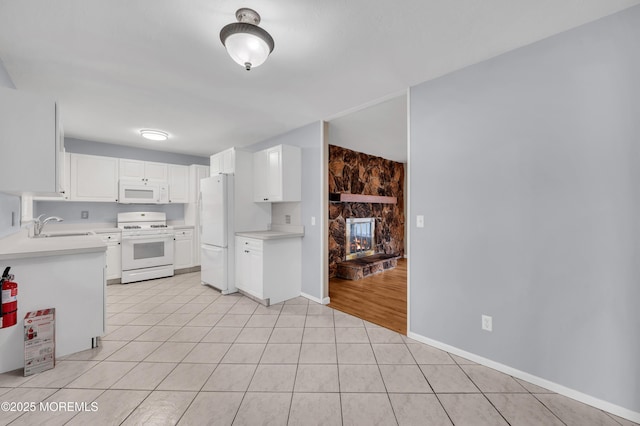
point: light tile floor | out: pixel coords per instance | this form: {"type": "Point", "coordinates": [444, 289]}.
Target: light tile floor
{"type": "Point", "coordinates": [177, 352]}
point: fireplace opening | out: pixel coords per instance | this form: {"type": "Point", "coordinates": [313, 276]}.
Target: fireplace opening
{"type": "Point", "coordinates": [360, 237]}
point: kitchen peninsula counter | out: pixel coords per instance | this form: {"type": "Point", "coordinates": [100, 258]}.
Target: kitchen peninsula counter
{"type": "Point", "coordinates": [20, 246]}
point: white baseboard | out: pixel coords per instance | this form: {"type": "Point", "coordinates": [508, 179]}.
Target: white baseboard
{"type": "Point", "coordinates": [555, 387]}
{"type": "Point", "coordinates": [324, 301]}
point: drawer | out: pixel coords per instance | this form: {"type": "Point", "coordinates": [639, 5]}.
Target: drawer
{"type": "Point", "coordinates": [111, 237]}
{"type": "Point", "coordinates": [186, 233]}
{"type": "Point", "coordinates": [249, 243]}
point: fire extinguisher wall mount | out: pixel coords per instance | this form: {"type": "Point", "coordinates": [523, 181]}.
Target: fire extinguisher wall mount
{"type": "Point", "coordinates": [9, 307]}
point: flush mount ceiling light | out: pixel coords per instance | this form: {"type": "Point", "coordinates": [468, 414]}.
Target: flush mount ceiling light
{"type": "Point", "coordinates": [154, 135]}
{"type": "Point", "coordinates": [247, 43]}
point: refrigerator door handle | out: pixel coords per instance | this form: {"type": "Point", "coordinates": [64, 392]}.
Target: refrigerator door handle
{"type": "Point", "coordinates": [200, 212]}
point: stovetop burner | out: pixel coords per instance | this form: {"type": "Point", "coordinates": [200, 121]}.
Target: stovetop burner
{"type": "Point", "coordinates": [132, 226]}
{"type": "Point", "coordinates": [158, 226]}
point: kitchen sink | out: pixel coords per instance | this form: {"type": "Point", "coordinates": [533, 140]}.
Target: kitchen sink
{"type": "Point", "coordinates": [64, 234]}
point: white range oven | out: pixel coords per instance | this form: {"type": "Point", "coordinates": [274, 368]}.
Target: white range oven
{"type": "Point", "coordinates": [147, 246]}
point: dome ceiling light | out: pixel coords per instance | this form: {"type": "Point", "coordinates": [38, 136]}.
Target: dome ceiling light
{"type": "Point", "coordinates": [247, 43]}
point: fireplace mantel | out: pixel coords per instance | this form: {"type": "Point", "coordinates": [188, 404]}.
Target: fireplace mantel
{"type": "Point", "coordinates": [360, 198]}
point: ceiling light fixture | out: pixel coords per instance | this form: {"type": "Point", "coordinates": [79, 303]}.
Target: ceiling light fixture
{"type": "Point", "coordinates": [154, 135]}
{"type": "Point", "coordinates": [247, 43]}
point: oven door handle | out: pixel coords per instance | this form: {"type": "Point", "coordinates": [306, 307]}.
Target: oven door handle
{"type": "Point", "coordinates": [147, 237]}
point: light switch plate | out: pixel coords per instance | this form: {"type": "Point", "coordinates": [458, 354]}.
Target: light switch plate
{"type": "Point", "coordinates": [313, 221]}
{"type": "Point", "coordinates": [420, 221]}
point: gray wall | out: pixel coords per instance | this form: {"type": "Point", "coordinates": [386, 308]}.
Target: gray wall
{"type": "Point", "coordinates": [9, 204]}
{"type": "Point", "coordinates": [309, 138]}
{"type": "Point", "coordinates": [107, 212]}
{"type": "Point", "coordinates": [526, 168]}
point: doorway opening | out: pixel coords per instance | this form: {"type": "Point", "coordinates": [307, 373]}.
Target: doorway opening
{"type": "Point", "coordinates": [367, 154]}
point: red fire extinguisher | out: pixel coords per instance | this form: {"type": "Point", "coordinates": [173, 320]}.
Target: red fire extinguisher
{"type": "Point", "coordinates": [9, 307]}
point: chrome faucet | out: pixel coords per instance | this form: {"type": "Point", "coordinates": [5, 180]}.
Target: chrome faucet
{"type": "Point", "coordinates": [38, 223]}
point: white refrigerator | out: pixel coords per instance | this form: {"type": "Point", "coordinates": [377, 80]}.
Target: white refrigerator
{"type": "Point", "coordinates": [217, 232]}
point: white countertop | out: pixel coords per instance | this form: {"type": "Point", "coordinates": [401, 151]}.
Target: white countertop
{"type": "Point", "coordinates": [276, 232]}
{"type": "Point", "coordinates": [269, 235]}
{"type": "Point", "coordinates": [20, 246]}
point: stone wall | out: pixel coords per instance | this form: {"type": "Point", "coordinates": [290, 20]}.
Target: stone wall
{"type": "Point", "coordinates": [354, 172]}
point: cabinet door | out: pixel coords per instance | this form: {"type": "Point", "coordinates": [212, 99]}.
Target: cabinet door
{"type": "Point", "coordinates": [94, 178]}
{"type": "Point", "coordinates": [30, 143]}
{"type": "Point", "coordinates": [216, 163]}
{"type": "Point", "coordinates": [242, 265]}
{"type": "Point", "coordinates": [249, 266]}
{"type": "Point", "coordinates": [254, 283]}
{"type": "Point", "coordinates": [131, 169]}
{"type": "Point", "coordinates": [183, 251]}
{"type": "Point", "coordinates": [178, 184]}
{"type": "Point", "coordinates": [268, 172]}
{"type": "Point", "coordinates": [260, 184]}
{"type": "Point", "coordinates": [274, 174]}
{"type": "Point", "coordinates": [65, 187]}
{"type": "Point", "coordinates": [156, 172]}
{"type": "Point", "coordinates": [114, 260]}
{"type": "Point", "coordinates": [229, 161]}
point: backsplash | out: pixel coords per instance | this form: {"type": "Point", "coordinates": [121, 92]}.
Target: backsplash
{"type": "Point", "coordinates": [71, 211]}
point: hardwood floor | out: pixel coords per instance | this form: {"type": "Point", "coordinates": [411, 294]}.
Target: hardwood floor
{"type": "Point", "coordinates": [380, 299]}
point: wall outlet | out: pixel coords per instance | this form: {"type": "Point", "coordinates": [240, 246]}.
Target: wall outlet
{"type": "Point", "coordinates": [313, 221]}
{"type": "Point", "coordinates": [84, 214]}
{"type": "Point", "coordinates": [420, 221]}
{"type": "Point", "coordinates": [487, 323]}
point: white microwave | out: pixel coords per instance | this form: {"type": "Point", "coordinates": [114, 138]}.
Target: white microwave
{"type": "Point", "coordinates": [134, 192]}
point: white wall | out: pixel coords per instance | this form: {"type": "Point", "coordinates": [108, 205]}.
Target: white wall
{"type": "Point", "coordinates": [9, 204]}
{"type": "Point", "coordinates": [526, 168]}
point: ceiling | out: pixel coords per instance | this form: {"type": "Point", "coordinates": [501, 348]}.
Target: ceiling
{"type": "Point", "coordinates": [117, 67]}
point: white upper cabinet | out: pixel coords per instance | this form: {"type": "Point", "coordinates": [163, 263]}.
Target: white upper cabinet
{"type": "Point", "coordinates": [178, 183]}
{"type": "Point", "coordinates": [145, 171]}
{"type": "Point", "coordinates": [276, 174]}
{"type": "Point", "coordinates": [65, 189]}
{"type": "Point", "coordinates": [156, 172]}
{"type": "Point", "coordinates": [223, 162]}
{"type": "Point", "coordinates": [94, 178]}
{"type": "Point", "coordinates": [32, 144]}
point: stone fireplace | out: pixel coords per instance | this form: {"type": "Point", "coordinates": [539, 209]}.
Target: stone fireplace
{"type": "Point", "coordinates": [367, 188]}
{"type": "Point", "coordinates": [360, 237]}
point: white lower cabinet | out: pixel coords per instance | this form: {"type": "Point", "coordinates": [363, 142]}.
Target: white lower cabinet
{"type": "Point", "coordinates": [269, 270]}
{"type": "Point", "coordinates": [183, 249]}
{"type": "Point", "coordinates": [114, 255]}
